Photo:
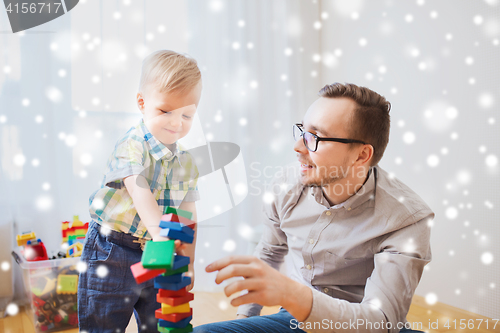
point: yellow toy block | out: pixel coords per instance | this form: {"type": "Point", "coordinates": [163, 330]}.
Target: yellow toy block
{"type": "Point", "coordinates": [75, 250]}
{"type": "Point", "coordinates": [67, 284]}
{"type": "Point", "coordinates": [168, 309]}
{"type": "Point", "coordinates": [23, 239]}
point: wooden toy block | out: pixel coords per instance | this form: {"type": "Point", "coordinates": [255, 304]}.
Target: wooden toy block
{"type": "Point", "coordinates": [158, 255]}
{"type": "Point", "coordinates": [181, 270]}
{"type": "Point", "coordinates": [174, 234]}
{"type": "Point", "coordinates": [186, 329]}
{"type": "Point", "coordinates": [169, 278]}
{"type": "Point", "coordinates": [180, 324]}
{"type": "Point", "coordinates": [178, 226]}
{"type": "Point", "coordinates": [142, 274]}
{"type": "Point", "coordinates": [67, 284]}
{"type": "Point", "coordinates": [167, 309]}
{"type": "Point", "coordinates": [174, 301]}
{"type": "Point", "coordinates": [180, 261]}
{"type": "Point", "coordinates": [172, 293]}
{"type": "Point", "coordinates": [179, 212]}
{"type": "Point", "coordinates": [186, 280]}
{"type": "Point", "coordinates": [172, 225]}
{"type": "Point", "coordinates": [23, 239]}
{"type": "Point", "coordinates": [173, 317]}
{"type": "Point", "coordinates": [177, 218]}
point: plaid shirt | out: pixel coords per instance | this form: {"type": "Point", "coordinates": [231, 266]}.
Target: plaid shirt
{"type": "Point", "coordinates": [171, 174]}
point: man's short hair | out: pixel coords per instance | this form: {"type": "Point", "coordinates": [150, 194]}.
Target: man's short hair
{"type": "Point", "coordinates": [169, 71]}
{"type": "Point", "coordinates": [370, 121]}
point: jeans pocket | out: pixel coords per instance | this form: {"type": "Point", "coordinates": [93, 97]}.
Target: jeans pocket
{"type": "Point", "coordinates": [106, 265]}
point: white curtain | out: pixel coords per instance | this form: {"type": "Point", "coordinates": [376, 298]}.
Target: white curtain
{"type": "Point", "coordinates": [68, 94]}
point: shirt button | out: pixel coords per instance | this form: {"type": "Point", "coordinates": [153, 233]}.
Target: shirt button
{"type": "Point", "coordinates": [311, 241]}
{"type": "Point", "coordinates": [139, 232]}
{"type": "Point", "coordinates": [325, 290]}
{"type": "Point", "coordinates": [328, 212]}
{"type": "Point", "coordinates": [349, 208]}
{"type": "Point", "coordinates": [308, 267]}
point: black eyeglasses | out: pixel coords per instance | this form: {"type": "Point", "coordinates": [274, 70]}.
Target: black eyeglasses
{"type": "Point", "coordinates": [311, 140]}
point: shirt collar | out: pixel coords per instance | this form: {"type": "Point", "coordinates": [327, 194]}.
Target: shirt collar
{"type": "Point", "coordinates": [157, 149]}
{"type": "Point", "coordinates": [365, 193]}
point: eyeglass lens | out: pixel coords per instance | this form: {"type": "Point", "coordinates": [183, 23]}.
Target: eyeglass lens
{"type": "Point", "coordinates": [309, 139]}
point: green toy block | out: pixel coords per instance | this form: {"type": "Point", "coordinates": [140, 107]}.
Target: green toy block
{"type": "Point", "coordinates": [188, 328]}
{"type": "Point", "coordinates": [180, 212]}
{"type": "Point", "coordinates": [158, 255]}
{"type": "Point", "coordinates": [183, 269]}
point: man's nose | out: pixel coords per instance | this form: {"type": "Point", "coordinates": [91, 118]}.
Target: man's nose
{"type": "Point", "coordinates": [299, 147]}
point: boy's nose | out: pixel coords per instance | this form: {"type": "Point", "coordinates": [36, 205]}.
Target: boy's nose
{"type": "Point", "coordinates": [175, 121]}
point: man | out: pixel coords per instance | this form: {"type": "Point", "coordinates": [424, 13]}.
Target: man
{"type": "Point", "coordinates": [358, 239]}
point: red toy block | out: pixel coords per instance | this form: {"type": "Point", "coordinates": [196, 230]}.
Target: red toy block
{"type": "Point", "coordinates": [142, 274]}
{"type": "Point", "coordinates": [177, 218]}
{"type": "Point", "coordinates": [174, 301]}
{"type": "Point", "coordinates": [173, 317]}
{"type": "Point", "coordinates": [172, 293]}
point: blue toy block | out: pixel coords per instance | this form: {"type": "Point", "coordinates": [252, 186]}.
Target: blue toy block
{"type": "Point", "coordinates": [174, 234]}
{"type": "Point", "coordinates": [176, 278]}
{"type": "Point", "coordinates": [172, 225]}
{"type": "Point", "coordinates": [180, 324]}
{"type": "Point", "coordinates": [186, 280]}
{"type": "Point", "coordinates": [178, 226]}
{"type": "Point", "coordinates": [180, 261]}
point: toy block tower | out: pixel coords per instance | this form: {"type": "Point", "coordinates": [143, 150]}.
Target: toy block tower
{"type": "Point", "coordinates": [161, 263]}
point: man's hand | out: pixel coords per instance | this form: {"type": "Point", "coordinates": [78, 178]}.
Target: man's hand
{"type": "Point", "coordinates": [266, 286]}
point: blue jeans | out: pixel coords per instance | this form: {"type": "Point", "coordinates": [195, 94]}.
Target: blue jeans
{"type": "Point", "coordinates": [276, 323]}
{"type": "Point", "coordinates": [107, 291]}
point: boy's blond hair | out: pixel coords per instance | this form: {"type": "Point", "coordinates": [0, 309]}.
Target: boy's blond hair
{"type": "Point", "coordinates": [169, 71]}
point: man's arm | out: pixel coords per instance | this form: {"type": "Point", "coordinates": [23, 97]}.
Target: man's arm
{"type": "Point", "coordinates": [388, 292]}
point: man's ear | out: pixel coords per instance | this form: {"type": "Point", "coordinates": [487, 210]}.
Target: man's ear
{"type": "Point", "coordinates": [140, 102]}
{"type": "Point", "coordinates": [365, 155]}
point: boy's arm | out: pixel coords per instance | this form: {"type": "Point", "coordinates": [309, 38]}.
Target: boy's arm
{"type": "Point", "coordinates": [145, 204]}
{"type": "Point", "coordinates": [189, 249]}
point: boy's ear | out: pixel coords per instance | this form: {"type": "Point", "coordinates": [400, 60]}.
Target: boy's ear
{"type": "Point", "coordinates": [140, 102]}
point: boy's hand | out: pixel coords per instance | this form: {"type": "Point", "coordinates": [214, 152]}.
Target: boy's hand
{"type": "Point", "coordinates": [190, 273]}
{"type": "Point", "coordinates": [241, 316]}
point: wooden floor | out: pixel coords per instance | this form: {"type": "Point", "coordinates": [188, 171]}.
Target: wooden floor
{"type": "Point", "coordinates": [210, 307]}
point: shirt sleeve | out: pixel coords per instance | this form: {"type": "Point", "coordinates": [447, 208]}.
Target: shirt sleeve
{"type": "Point", "coordinates": [191, 170]}
{"type": "Point", "coordinates": [271, 249]}
{"type": "Point", "coordinates": [126, 160]}
{"type": "Point", "coordinates": [399, 263]}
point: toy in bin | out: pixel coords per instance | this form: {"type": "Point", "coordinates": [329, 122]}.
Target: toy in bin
{"type": "Point", "coordinates": [34, 249]}
{"type": "Point", "coordinates": [74, 232]}
{"type": "Point", "coordinates": [52, 289]}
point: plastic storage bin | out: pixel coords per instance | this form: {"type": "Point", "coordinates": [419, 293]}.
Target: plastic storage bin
{"type": "Point", "coordinates": [51, 286]}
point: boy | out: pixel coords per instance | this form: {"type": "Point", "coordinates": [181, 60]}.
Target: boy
{"type": "Point", "coordinates": [146, 173]}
